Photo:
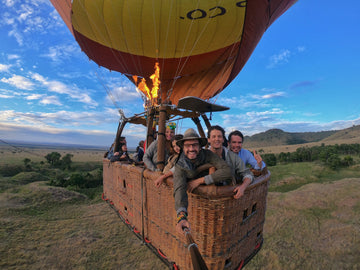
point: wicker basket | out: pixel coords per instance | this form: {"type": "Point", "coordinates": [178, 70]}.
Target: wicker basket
{"type": "Point", "coordinates": [228, 232]}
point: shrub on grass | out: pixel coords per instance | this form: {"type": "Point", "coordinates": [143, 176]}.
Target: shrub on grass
{"type": "Point", "coordinates": [28, 177]}
{"type": "Point", "coordinates": [334, 161]}
{"type": "Point", "coordinates": [10, 170]}
{"type": "Point", "coordinates": [347, 161]}
{"type": "Point", "coordinates": [269, 159]}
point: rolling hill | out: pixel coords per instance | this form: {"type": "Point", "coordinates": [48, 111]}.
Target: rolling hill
{"type": "Point", "coordinates": [279, 139]}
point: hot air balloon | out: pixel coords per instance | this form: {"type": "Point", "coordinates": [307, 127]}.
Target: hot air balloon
{"type": "Point", "coordinates": [200, 45]}
{"type": "Point", "coordinates": [180, 54]}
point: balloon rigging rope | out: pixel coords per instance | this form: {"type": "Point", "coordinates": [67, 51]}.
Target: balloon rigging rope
{"type": "Point", "coordinates": [108, 91]}
{"type": "Point", "coordinates": [118, 57]}
{"type": "Point", "coordinates": [166, 42]}
{"type": "Point", "coordinates": [122, 61]}
{"type": "Point", "coordinates": [179, 70]}
{"type": "Point", "coordinates": [233, 47]}
{"type": "Point", "coordinates": [179, 67]}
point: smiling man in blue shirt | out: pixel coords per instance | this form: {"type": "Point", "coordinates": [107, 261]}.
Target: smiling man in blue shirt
{"type": "Point", "coordinates": [236, 139]}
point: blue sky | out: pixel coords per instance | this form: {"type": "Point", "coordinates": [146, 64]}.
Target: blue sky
{"type": "Point", "coordinates": [303, 76]}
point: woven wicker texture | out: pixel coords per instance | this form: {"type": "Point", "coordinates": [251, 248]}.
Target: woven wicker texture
{"type": "Point", "coordinates": [227, 231]}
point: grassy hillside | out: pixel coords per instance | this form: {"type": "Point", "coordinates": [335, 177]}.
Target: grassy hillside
{"type": "Point", "coordinates": [44, 227]}
{"type": "Point", "coordinates": [276, 138]}
{"type": "Point", "coordinates": [346, 134]}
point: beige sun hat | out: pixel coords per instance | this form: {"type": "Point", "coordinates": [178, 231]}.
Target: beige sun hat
{"type": "Point", "coordinates": [190, 134]}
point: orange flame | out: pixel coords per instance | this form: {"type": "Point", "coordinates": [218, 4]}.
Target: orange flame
{"type": "Point", "coordinates": [156, 82]}
{"type": "Point", "coordinates": [153, 94]}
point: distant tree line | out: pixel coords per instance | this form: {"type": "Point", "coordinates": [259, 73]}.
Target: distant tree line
{"type": "Point", "coordinates": [330, 155]}
{"type": "Point", "coordinates": [58, 171]}
{"type": "Point", "coordinates": [78, 179]}
{"type": "Point", "coordinates": [54, 158]}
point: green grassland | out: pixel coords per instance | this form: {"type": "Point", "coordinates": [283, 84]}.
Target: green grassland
{"type": "Point", "coordinates": [312, 222]}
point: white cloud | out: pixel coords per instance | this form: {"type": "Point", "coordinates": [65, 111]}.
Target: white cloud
{"type": "Point", "coordinates": [50, 100]}
{"type": "Point", "coordinates": [5, 96]}
{"type": "Point", "coordinates": [264, 114]}
{"type": "Point", "coordinates": [251, 101]}
{"type": "Point", "coordinates": [59, 118]}
{"type": "Point", "coordinates": [252, 122]}
{"type": "Point", "coordinates": [7, 20]}
{"type": "Point", "coordinates": [33, 97]}
{"type": "Point", "coordinates": [48, 134]}
{"type": "Point", "coordinates": [301, 48]}
{"type": "Point", "coordinates": [61, 88]}
{"type": "Point", "coordinates": [10, 93]}
{"type": "Point", "coordinates": [269, 96]}
{"type": "Point", "coordinates": [9, 3]}
{"type": "Point", "coordinates": [4, 68]}
{"type": "Point", "coordinates": [124, 93]}
{"type": "Point", "coordinates": [242, 102]}
{"type": "Point", "coordinates": [110, 112]}
{"type": "Point", "coordinates": [17, 35]}
{"type": "Point", "coordinates": [25, 12]}
{"type": "Point", "coordinates": [280, 58]}
{"type": "Point", "coordinates": [60, 52]}
{"type": "Point", "coordinates": [26, 18]}
{"type": "Point", "coordinates": [19, 82]}
{"type": "Point", "coordinates": [13, 56]}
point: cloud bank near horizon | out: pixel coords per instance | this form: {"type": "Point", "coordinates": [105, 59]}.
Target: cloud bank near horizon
{"type": "Point", "coordinates": [135, 133]}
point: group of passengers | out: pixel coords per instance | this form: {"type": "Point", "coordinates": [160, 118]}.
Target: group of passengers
{"type": "Point", "coordinates": [123, 155]}
{"type": "Point", "coordinates": [186, 159]}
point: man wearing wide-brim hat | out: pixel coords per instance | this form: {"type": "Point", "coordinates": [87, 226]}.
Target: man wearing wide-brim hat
{"type": "Point", "coordinates": [187, 176]}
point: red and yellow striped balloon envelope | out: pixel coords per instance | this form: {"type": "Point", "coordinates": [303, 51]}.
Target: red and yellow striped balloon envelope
{"type": "Point", "coordinates": [200, 45]}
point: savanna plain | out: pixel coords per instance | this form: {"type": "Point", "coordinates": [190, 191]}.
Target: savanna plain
{"type": "Point", "coordinates": [312, 219]}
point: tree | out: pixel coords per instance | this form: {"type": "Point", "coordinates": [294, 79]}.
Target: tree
{"type": "Point", "coordinates": [66, 161]}
{"type": "Point", "coordinates": [348, 161]}
{"type": "Point", "coordinates": [284, 157]}
{"type": "Point", "coordinates": [27, 165]}
{"type": "Point", "coordinates": [269, 159]}
{"type": "Point", "coordinates": [26, 161]}
{"type": "Point", "coordinates": [334, 161]}
{"type": "Point", "coordinates": [77, 179]}
{"type": "Point", "coordinates": [53, 158]}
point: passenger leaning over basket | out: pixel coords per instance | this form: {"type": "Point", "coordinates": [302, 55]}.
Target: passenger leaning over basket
{"type": "Point", "coordinates": [241, 174]}
{"type": "Point", "coordinates": [236, 140]}
{"type": "Point", "coordinates": [187, 176]}
{"type": "Point", "coordinates": [150, 156]}
{"type": "Point", "coordinates": [170, 166]}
